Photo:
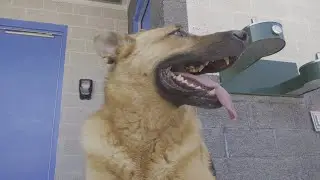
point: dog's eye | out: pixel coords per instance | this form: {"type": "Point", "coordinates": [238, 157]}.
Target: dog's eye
{"type": "Point", "coordinates": [179, 33]}
{"type": "Point", "coordinates": [109, 60]}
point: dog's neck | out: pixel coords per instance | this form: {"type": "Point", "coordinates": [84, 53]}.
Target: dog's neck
{"type": "Point", "coordinates": [144, 113]}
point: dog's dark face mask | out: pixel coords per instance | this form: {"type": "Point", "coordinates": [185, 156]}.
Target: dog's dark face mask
{"type": "Point", "coordinates": [181, 78]}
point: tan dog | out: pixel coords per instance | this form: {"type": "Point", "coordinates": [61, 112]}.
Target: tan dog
{"type": "Point", "coordinates": [148, 128]}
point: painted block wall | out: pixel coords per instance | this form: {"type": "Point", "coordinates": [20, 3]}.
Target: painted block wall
{"type": "Point", "coordinates": [300, 20]}
{"type": "Point", "coordinates": [84, 22]}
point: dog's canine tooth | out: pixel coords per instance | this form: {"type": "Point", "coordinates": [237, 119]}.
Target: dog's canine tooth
{"type": "Point", "coordinates": [198, 87]}
{"type": "Point", "coordinates": [180, 78]}
{"type": "Point", "coordinates": [201, 68]}
{"type": "Point", "coordinates": [212, 92]}
{"type": "Point", "coordinates": [227, 60]}
{"type": "Point", "coordinates": [192, 85]}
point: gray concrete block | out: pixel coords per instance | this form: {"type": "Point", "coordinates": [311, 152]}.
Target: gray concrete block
{"type": "Point", "coordinates": [250, 143]}
{"type": "Point", "coordinates": [290, 143]}
{"type": "Point", "coordinates": [70, 131]}
{"type": "Point", "coordinates": [70, 164]}
{"type": "Point", "coordinates": [310, 168]}
{"type": "Point", "coordinates": [278, 169]}
{"type": "Point", "coordinates": [274, 115]}
{"type": "Point", "coordinates": [115, 14]}
{"type": "Point", "coordinates": [277, 112]}
{"type": "Point", "coordinates": [311, 141]}
{"type": "Point", "coordinates": [258, 169]}
{"type": "Point", "coordinates": [74, 115]}
{"type": "Point", "coordinates": [225, 166]}
{"type": "Point", "coordinates": [69, 176]}
{"type": "Point", "coordinates": [303, 121]}
{"type": "Point", "coordinates": [175, 12]}
{"type": "Point", "coordinates": [214, 140]}
{"type": "Point", "coordinates": [73, 101]}
{"type": "Point", "coordinates": [310, 176]}
{"type": "Point", "coordinates": [267, 99]}
{"type": "Point", "coordinates": [312, 99]}
{"type": "Point", "coordinates": [83, 69]}
{"type": "Point", "coordinates": [236, 176]}
{"type": "Point", "coordinates": [297, 142]}
{"type": "Point", "coordinates": [219, 117]}
{"type": "Point", "coordinates": [70, 147]}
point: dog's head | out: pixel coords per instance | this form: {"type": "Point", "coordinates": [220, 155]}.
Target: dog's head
{"type": "Point", "coordinates": [170, 62]}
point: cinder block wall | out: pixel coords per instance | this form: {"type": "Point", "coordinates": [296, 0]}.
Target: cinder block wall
{"type": "Point", "coordinates": [273, 138]}
{"type": "Point", "coordinates": [81, 62]}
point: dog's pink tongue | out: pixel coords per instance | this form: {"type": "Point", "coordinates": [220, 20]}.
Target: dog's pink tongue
{"type": "Point", "coordinates": [225, 99]}
{"type": "Point", "coordinates": [222, 95]}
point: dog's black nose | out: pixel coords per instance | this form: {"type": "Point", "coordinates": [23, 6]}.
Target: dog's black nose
{"type": "Point", "coordinates": [242, 35]}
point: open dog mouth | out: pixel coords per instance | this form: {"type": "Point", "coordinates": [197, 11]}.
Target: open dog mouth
{"type": "Point", "coordinates": [189, 75]}
{"type": "Point", "coordinates": [183, 78]}
{"type": "Point", "coordinates": [189, 83]}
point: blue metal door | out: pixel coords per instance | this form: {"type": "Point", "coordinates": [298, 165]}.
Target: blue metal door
{"type": "Point", "coordinates": [31, 69]}
{"type": "Point", "coordinates": [141, 18]}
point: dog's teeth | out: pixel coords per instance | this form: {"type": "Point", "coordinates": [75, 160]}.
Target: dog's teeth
{"type": "Point", "coordinates": [193, 69]}
{"type": "Point", "coordinates": [185, 82]}
{"type": "Point", "coordinates": [179, 78]}
{"type": "Point", "coordinates": [192, 85]}
{"type": "Point", "coordinates": [201, 68]}
{"type": "Point", "coordinates": [212, 92]}
{"type": "Point", "coordinates": [190, 68]}
{"type": "Point", "coordinates": [227, 60]}
{"type": "Point", "coordinates": [198, 87]}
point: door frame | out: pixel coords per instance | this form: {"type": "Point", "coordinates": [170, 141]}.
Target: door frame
{"type": "Point", "coordinates": [56, 30]}
{"type": "Point", "coordinates": [139, 15]}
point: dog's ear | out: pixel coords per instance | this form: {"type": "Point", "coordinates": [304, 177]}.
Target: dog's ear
{"type": "Point", "coordinates": [107, 45]}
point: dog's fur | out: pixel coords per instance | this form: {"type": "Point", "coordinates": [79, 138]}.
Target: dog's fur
{"type": "Point", "coordinates": [138, 135]}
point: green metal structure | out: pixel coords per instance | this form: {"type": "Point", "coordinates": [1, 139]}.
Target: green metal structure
{"type": "Point", "coordinates": [250, 75]}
